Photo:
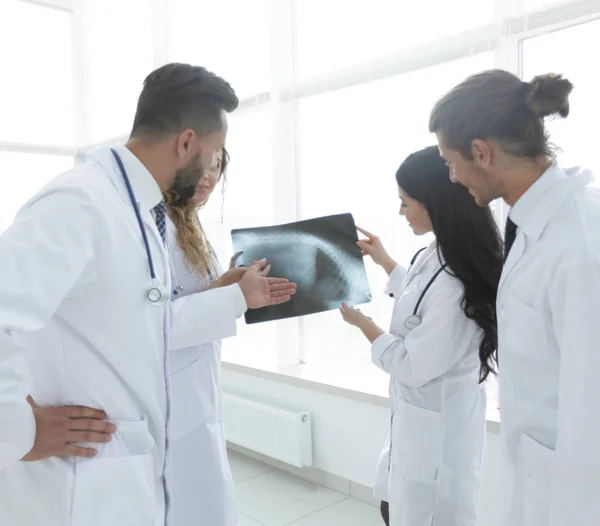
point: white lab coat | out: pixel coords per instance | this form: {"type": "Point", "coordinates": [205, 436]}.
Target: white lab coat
{"type": "Point", "coordinates": [203, 490]}
{"type": "Point", "coordinates": [438, 407]}
{"type": "Point", "coordinates": [73, 282]}
{"type": "Point", "coordinates": [548, 317]}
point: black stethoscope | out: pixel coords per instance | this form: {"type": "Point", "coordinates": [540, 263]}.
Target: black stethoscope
{"type": "Point", "coordinates": [158, 294]}
{"type": "Point", "coordinates": [414, 320]}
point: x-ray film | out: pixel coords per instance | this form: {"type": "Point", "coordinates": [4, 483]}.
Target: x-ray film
{"type": "Point", "coordinates": [319, 255]}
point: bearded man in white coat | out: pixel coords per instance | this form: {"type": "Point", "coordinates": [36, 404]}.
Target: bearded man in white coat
{"type": "Point", "coordinates": [84, 288]}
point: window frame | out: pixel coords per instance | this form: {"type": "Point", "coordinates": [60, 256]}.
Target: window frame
{"type": "Point", "coordinates": [504, 37]}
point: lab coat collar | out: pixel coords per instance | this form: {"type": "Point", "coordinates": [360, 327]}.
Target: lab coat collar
{"type": "Point", "coordinates": [146, 189]}
{"type": "Point", "coordinates": [535, 209]}
{"type": "Point", "coordinates": [532, 212]}
{"type": "Point", "coordinates": [426, 258]}
{"type": "Point", "coordinates": [429, 252]}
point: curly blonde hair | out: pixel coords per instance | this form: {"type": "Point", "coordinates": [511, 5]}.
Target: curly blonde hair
{"type": "Point", "coordinates": [198, 253]}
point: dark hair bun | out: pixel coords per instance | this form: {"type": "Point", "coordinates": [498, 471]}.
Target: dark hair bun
{"type": "Point", "coordinates": [548, 95]}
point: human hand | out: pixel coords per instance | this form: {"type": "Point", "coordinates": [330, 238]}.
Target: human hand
{"type": "Point", "coordinates": [372, 246]}
{"type": "Point", "coordinates": [59, 428]}
{"type": "Point", "coordinates": [352, 315]}
{"type": "Point", "coordinates": [235, 274]}
{"type": "Point", "coordinates": [260, 291]}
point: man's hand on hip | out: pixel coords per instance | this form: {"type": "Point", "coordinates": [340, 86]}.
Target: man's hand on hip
{"type": "Point", "coordinates": [58, 429]}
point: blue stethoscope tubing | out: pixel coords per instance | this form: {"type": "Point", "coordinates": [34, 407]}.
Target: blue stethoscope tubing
{"type": "Point", "coordinates": [157, 293]}
{"type": "Point", "coordinates": [414, 320]}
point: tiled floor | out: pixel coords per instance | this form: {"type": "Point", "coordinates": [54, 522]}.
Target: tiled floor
{"type": "Point", "coordinates": [269, 497]}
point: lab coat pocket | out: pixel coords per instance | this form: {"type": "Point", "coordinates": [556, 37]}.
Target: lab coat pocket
{"type": "Point", "coordinates": [416, 442]}
{"type": "Point", "coordinates": [536, 478]}
{"type": "Point", "coordinates": [414, 468]}
{"type": "Point", "coordinates": [119, 486]}
{"type": "Point", "coordinates": [524, 329]}
{"type": "Point", "coordinates": [194, 395]}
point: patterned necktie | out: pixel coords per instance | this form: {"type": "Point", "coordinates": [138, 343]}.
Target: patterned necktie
{"type": "Point", "coordinates": [510, 233]}
{"type": "Point", "coordinates": [160, 214]}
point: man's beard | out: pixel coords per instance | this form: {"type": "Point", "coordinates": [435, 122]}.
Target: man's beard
{"type": "Point", "coordinates": [188, 179]}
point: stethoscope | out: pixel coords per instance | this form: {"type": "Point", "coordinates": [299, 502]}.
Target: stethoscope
{"type": "Point", "coordinates": [414, 320]}
{"type": "Point", "coordinates": [158, 294]}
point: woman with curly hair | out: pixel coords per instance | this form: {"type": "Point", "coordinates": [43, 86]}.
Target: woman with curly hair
{"type": "Point", "coordinates": [203, 491]}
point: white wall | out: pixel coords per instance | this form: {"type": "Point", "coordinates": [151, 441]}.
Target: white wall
{"type": "Point", "coordinates": [348, 434]}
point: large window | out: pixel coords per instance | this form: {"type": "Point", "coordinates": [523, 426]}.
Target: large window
{"type": "Point", "coordinates": [118, 53]}
{"type": "Point", "coordinates": [334, 34]}
{"type": "Point", "coordinates": [36, 101]}
{"type": "Point", "coordinates": [352, 104]}
{"type": "Point", "coordinates": [229, 37]}
{"type": "Point", "coordinates": [334, 95]}
{"type": "Point", "coordinates": [36, 90]}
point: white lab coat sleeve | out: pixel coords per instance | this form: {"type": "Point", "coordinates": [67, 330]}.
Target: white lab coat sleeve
{"type": "Point", "coordinates": [575, 306]}
{"type": "Point", "coordinates": [435, 346]}
{"type": "Point", "coordinates": [43, 255]}
{"type": "Point", "coordinates": [206, 316]}
{"type": "Point", "coordinates": [395, 280]}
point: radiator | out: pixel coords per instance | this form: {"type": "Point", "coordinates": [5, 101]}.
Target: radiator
{"type": "Point", "coordinates": [277, 433]}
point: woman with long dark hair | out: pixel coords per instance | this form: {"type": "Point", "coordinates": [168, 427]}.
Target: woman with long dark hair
{"type": "Point", "coordinates": [440, 349]}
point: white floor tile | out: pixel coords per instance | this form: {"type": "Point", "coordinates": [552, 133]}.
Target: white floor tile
{"type": "Point", "coordinates": [244, 468]}
{"type": "Point", "coordinates": [278, 498]}
{"type": "Point", "coordinates": [349, 513]}
{"type": "Point", "coordinates": [247, 521]}
{"type": "Point", "coordinates": [319, 477]}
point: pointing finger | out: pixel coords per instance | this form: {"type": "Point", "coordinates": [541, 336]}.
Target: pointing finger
{"type": "Point", "coordinates": [366, 233]}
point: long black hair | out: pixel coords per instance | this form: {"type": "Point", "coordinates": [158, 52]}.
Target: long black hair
{"type": "Point", "coordinates": [467, 238]}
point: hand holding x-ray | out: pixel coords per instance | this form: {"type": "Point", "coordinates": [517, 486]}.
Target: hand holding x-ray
{"type": "Point", "coordinates": [373, 247]}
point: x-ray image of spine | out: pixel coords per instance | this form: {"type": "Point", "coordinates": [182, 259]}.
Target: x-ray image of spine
{"type": "Point", "coordinates": [320, 255]}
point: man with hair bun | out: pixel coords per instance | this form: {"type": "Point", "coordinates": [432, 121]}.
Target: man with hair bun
{"type": "Point", "coordinates": [491, 132]}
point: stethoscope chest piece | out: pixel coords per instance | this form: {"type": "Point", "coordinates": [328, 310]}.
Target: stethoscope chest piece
{"type": "Point", "coordinates": [157, 294]}
{"type": "Point", "coordinates": [412, 322]}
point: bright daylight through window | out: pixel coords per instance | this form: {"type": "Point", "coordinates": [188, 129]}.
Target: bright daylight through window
{"type": "Point", "coordinates": [334, 95]}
